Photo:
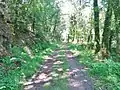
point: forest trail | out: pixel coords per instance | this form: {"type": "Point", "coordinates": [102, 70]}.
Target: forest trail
{"type": "Point", "coordinates": [60, 71]}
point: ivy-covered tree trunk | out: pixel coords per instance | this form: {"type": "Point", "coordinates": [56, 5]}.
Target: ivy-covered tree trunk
{"type": "Point", "coordinates": [116, 9]}
{"type": "Point", "coordinates": [96, 26]}
{"type": "Point", "coordinates": [4, 30]}
{"type": "Point", "coordinates": [107, 30]}
{"type": "Point", "coordinates": [118, 37]}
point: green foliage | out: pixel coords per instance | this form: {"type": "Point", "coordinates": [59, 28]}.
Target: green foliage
{"type": "Point", "coordinates": [37, 16]}
{"type": "Point", "coordinates": [39, 20]}
{"type": "Point", "coordinates": [15, 69]}
{"type": "Point", "coordinates": [61, 85]}
{"type": "Point", "coordinates": [77, 46]}
{"type": "Point", "coordinates": [108, 72]}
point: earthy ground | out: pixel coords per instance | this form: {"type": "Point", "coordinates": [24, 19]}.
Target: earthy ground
{"type": "Point", "coordinates": [55, 69]}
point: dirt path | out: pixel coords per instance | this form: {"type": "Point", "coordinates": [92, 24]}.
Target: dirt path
{"type": "Point", "coordinates": [75, 74]}
{"type": "Point", "coordinates": [79, 79]}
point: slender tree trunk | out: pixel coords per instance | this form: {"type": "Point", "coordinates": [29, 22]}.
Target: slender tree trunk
{"type": "Point", "coordinates": [110, 40]}
{"type": "Point", "coordinates": [96, 26]}
{"type": "Point", "coordinates": [16, 24]}
{"type": "Point", "coordinates": [118, 39]}
{"type": "Point", "coordinates": [116, 9]}
{"type": "Point", "coordinates": [33, 24]}
{"type": "Point", "coordinates": [118, 35]}
{"type": "Point", "coordinates": [90, 36]}
{"type": "Point", "coordinates": [106, 33]}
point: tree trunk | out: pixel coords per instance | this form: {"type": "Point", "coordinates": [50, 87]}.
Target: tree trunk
{"type": "Point", "coordinates": [89, 40]}
{"type": "Point", "coordinates": [118, 34]}
{"type": "Point", "coordinates": [116, 9]}
{"type": "Point", "coordinates": [96, 26]}
{"type": "Point", "coordinates": [106, 33]}
{"type": "Point", "coordinates": [110, 40]}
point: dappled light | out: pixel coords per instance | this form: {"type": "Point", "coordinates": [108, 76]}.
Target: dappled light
{"type": "Point", "coordinates": [78, 76]}
{"type": "Point", "coordinates": [59, 44]}
{"type": "Point", "coordinates": [49, 72]}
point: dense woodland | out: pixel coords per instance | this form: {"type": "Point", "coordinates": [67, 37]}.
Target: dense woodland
{"type": "Point", "coordinates": [31, 29]}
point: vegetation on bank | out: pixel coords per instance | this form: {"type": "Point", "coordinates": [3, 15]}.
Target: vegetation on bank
{"type": "Point", "coordinates": [105, 73]}
{"type": "Point", "coordinates": [16, 69]}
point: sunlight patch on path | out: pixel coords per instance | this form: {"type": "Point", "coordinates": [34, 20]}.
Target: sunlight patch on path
{"type": "Point", "coordinates": [61, 71]}
{"type": "Point", "coordinates": [51, 74]}
{"type": "Point", "coordinates": [79, 79]}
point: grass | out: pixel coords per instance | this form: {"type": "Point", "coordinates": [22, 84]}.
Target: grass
{"type": "Point", "coordinates": [58, 85]}
{"type": "Point", "coordinates": [62, 52]}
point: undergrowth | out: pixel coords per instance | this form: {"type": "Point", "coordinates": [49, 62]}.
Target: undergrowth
{"type": "Point", "coordinates": [15, 69]}
{"type": "Point", "coordinates": [105, 74]}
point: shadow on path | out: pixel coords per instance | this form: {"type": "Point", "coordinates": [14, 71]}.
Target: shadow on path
{"type": "Point", "coordinates": [43, 76]}
{"type": "Point", "coordinates": [77, 76]}
{"type": "Point", "coordinates": [79, 79]}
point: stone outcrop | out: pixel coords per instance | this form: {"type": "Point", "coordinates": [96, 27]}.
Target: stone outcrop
{"type": "Point", "coordinates": [4, 30]}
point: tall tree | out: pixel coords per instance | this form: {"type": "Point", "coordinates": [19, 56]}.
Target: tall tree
{"type": "Point", "coordinates": [116, 9]}
{"type": "Point", "coordinates": [96, 25]}
{"type": "Point", "coordinates": [107, 30]}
